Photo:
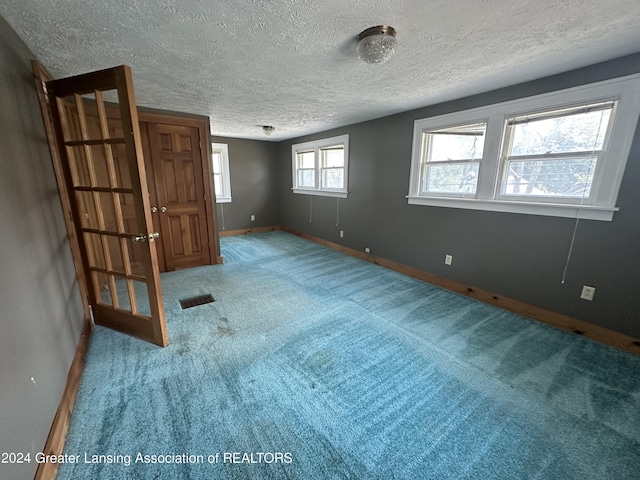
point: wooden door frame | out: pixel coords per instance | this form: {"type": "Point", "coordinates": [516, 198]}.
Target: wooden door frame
{"type": "Point", "coordinates": [205, 154]}
{"type": "Point", "coordinates": [62, 419]}
{"type": "Point", "coordinates": [41, 77]}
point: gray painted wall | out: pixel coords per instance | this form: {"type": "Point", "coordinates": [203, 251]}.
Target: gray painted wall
{"type": "Point", "coordinates": [253, 174]}
{"type": "Point", "coordinates": [519, 256]}
{"type": "Point", "coordinates": [41, 314]}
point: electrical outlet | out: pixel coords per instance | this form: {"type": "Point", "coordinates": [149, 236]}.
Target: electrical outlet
{"type": "Point", "coordinates": [341, 234]}
{"type": "Point", "coordinates": [253, 218]}
{"type": "Point", "coordinates": [367, 250]}
{"type": "Point", "coordinates": [448, 259]}
{"type": "Point", "coordinates": [588, 292]}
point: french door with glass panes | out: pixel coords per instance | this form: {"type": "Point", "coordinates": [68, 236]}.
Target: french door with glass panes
{"type": "Point", "coordinates": [104, 172]}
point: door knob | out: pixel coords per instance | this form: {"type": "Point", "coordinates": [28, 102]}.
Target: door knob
{"type": "Point", "coordinates": [154, 209]}
{"type": "Point", "coordinates": [163, 209]}
{"type": "Point", "coordinates": [143, 238]}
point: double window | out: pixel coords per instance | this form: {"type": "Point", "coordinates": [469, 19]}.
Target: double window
{"type": "Point", "coordinates": [321, 167]}
{"type": "Point", "coordinates": [559, 154]}
{"type": "Point", "coordinates": [221, 178]}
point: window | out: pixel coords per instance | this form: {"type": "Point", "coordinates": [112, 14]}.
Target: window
{"type": "Point", "coordinates": [452, 160]}
{"type": "Point", "coordinates": [554, 154]}
{"type": "Point", "coordinates": [557, 154]}
{"type": "Point", "coordinates": [321, 167]}
{"type": "Point", "coordinates": [306, 169]}
{"type": "Point", "coordinates": [221, 180]}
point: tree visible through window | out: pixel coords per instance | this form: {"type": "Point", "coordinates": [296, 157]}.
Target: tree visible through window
{"type": "Point", "coordinates": [452, 159]}
{"type": "Point", "coordinates": [555, 154]}
{"type": "Point", "coordinates": [560, 153]}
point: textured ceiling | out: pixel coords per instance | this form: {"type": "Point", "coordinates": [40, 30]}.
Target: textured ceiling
{"type": "Point", "coordinates": [292, 63]}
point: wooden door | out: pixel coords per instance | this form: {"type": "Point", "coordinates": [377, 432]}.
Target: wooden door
{"type": "Point", "coordinates": [153, 197]}
{"type": "Point", "coordinates": [179, 180]}
{"type": "Point", "coordinates": [104, 171]}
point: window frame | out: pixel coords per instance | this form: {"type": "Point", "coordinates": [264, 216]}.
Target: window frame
{"type": "Point", "coordinates": [427, 138]}
{"type": "Point", "coordinates": [610, 167]}
{"type": "Point", "coordinates": [225, 176]}
{"type": "Point", "coordinates": [300, 169]}
{"type": "Point", "coordinates": [507, 158]}
{"type": "Point", "coordinates": [317, 146]}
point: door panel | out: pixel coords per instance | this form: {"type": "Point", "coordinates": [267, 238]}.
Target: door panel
{"type": "Point", "coordinates": [153, 196]}
{"type": "Point", "coordinates": [105, 175]}
{"type": "Point", "coordinates": [180, 190]}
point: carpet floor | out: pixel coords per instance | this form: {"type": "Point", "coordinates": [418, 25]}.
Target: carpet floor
{"type": "Point", "coordinates": [311, 364]}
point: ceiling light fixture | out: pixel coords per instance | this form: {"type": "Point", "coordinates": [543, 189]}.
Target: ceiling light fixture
{"type": "Point", "coordinates": [377, 44]}
{"type": "Point", "coordinates": [268, 129]}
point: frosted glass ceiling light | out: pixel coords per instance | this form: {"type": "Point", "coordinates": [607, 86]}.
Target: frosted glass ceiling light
{"type": "Point", "coordinates": [376, 44]}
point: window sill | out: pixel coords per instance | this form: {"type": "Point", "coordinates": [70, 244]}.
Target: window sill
{"type": "Point", "coordinates": [223, 199]}
{"type": "Point", "coordinates": [586, 212]}
{"type": "Point", "coordinates": [321, 193]}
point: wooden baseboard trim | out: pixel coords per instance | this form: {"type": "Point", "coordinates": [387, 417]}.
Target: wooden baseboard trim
{"type": "Point", "coordinates": [558, 320]}
{"type": "Point", "coordinates": [244, 231]}
{"type": "Point", "coordinates": [60, 426]}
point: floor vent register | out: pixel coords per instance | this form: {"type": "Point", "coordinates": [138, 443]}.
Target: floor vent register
{"type": "Point", "coordinates": [195, 301]}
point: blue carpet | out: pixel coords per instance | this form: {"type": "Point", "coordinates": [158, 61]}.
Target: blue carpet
{"type": "Point", "coordinates": [327, 367]}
